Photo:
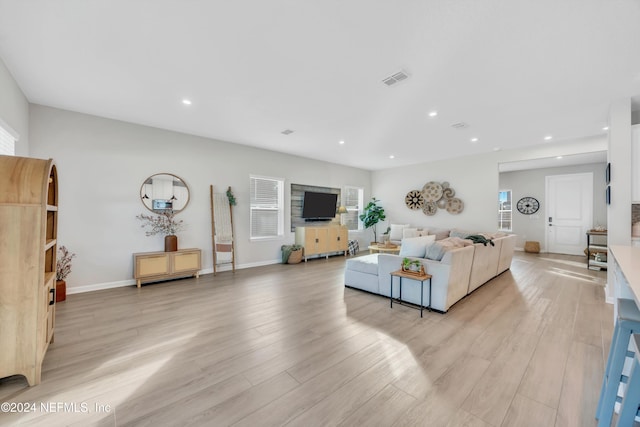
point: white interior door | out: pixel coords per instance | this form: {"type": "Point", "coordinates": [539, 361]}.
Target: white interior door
{"type": "Point", "coordinates": [569, 212]}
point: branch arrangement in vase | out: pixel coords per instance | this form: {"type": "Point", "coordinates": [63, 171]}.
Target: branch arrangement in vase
{"type": "Point", "coordinates": [163, 223]}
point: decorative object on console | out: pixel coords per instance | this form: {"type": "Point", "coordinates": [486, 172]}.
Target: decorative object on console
{"type": "Point", "coordinates": [434, 196]}
{"type": "Point", "coordinates": [163, 223]}
{"type": "Point", "coordinates": [63, 269]}
{"type": "Point", "coordinates": [341, 211]}
{"type": "Point", "coordinates": [373, 214]}
{"type": "Point", "coordinates": [528, 205]}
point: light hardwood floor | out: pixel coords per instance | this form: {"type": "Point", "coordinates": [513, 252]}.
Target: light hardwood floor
{"type": "Point", "coordinates": [288, 344]}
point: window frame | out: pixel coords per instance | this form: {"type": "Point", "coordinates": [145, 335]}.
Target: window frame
{"type": "Point", "coordinates": [357, 208]}
{"type": "Point", "coordinates": [9, 136]}
{"type": "Point", "coordinates": [279, 208]}
{"type": "Point", "coordinates": [502, 211]}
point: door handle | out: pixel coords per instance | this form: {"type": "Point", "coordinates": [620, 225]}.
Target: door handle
{"type": "Point", "coordinates": [53, 296]}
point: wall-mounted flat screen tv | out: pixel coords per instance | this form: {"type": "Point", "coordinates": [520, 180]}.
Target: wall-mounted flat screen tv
{"type": "Point", "coordinates": [319, 205]}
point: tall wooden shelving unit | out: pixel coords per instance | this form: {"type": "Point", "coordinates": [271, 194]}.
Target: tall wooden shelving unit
{"type": "Point", "coordinates": [28, 246]}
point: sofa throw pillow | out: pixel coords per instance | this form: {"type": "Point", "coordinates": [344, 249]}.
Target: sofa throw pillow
{"type": "Point", "coordinates": [396, 231]}
{"type": "Point", "coordinates": [435, 251]}
{"type": "Point", "coordinates": [440, 233]}
{"type": "Point", "coordinates": [439, 248]}
{"type": "Point", "coordinates": [416, 246]}
{"type": "Point", "coordinates": [409, 232]}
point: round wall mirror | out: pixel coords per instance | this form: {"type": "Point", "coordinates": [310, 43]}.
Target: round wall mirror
{"type": "Point", "coordinates": [164, 192]}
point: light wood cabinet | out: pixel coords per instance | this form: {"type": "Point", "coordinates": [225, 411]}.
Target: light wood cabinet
{"type": "Point", "coordinates": [28, 229]}
{"type": "Point", "coordinates": [155, 266]}
{"type": "Point", "coordinates": [322, 240]}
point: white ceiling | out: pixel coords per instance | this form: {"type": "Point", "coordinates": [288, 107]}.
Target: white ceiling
{"type": "Point", "coordinates": [554, 162]}
{"type": "Point", "coordinates": [514, 71]}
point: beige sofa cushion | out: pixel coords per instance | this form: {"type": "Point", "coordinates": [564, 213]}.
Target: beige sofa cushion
{"type": "Point", "coordinates": [416, 246]}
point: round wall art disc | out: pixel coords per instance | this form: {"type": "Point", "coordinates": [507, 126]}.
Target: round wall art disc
{"type": "Point", "coordinates": [432, 191]}
{"type": "Point", "coordinates": [454, 206]}
{"type": "Point", "coordinates": [430, 208]}
{"type": "Point", "coordinates": [414, 199]}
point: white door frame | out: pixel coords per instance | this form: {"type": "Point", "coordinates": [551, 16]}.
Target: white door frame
{"type": "Point", "coordinates": [546, 204]}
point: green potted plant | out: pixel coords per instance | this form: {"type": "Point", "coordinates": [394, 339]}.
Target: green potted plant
{"type": "Point", "coordinates": [291, 254]}
{"type": "Point", "coordinates": [63, 269]}
{"type": "Point", "coordinates": [373, 214]}
{"type": "Point", "coordinates": [410, 265]}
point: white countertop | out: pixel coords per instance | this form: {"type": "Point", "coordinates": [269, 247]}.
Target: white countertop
{"type": "Point", "coordinates": [628, 258]}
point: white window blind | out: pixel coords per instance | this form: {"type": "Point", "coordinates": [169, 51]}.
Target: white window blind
{"type": "Point", "coordinates": [353, 200]}
{"type": "Point", "coordinates": [267, 207]}
{"type": "Point", "coordinates": [7, 142]}
{"type": "Point", "coordinates": [504, 210]}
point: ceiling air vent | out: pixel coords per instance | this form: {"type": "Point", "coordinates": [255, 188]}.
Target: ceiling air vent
{"type": "Point", "coordinates": [460, 125]}
{"type": "Point", "coordinates": [396, 78]}
{"type": "Point", "coordinates": [287, 132]}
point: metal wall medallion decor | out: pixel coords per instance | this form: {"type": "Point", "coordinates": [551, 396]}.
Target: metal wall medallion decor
{"type": "Point", "coordinates": [434, 196]}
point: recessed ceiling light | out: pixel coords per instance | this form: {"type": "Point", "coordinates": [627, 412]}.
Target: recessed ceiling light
{"type": "Point", "coordinates": [433, 113]}
{"type": "Point", "coordinates": [186, 101]}
{"type": "Point", "coordinates": [558, 157]}
{"type": "Point", "coordinates": [474, 139]}
{"type": "Point", "coordinates": [496, 148]}
{"type": "Point", "coordinates": [548, 138]}
{"type": "Point", "coordinates": [392, 156]}
{"type": "Point", "coordinates": [341, 142]}
{"type": "Point", "coordinates": [605, 128]}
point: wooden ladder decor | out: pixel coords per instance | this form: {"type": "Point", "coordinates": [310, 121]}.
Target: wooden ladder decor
{"type": "Point", "coordinates": [222, 239]}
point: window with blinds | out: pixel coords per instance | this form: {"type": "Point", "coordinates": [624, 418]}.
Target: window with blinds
{"type": "Point", "coordinates": [353, 200]}
{"type": "Point", "coordinates": [7, 142]}
{"type": "Point", "coordinates": [267, 207]}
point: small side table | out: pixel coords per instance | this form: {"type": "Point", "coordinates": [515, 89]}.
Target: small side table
{"type": "Point", "coordinates": [420, 278]}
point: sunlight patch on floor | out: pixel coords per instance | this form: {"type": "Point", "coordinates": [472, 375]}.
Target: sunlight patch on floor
{"type": "Point", "coordinates": [573, 275]}
{"type": "Point", "coordinates": [567, 262]}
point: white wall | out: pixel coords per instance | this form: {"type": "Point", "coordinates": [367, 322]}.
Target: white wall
{"type": "Point", "coordinates": [619, 211]}
{"type": "Point", "coordinates": [14, 109]}
{"type": "Point", "coordinates": [532, 183]}
{"type": "Point", "coordinates": [102, 164]}
{"type": "Point", "coordinates": [474, 178]}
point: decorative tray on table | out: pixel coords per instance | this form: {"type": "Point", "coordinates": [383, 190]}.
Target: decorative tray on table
{"type": "Point", "coordinates": [387, 245]}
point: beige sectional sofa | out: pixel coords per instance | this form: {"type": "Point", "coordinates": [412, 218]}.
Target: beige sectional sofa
{"type": "Point", "coordinates": [460, 271]}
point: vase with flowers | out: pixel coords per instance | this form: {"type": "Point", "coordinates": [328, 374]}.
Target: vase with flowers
{"type": "Point", "coordinates": [163, 223]}
{"type": "Point", "coordinates": [63, 269]}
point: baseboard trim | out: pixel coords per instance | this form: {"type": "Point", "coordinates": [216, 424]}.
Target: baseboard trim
{"type": "Point", "coordinates": [100, 286]}
{"type": "Point", "coordinates": [130, 282]}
